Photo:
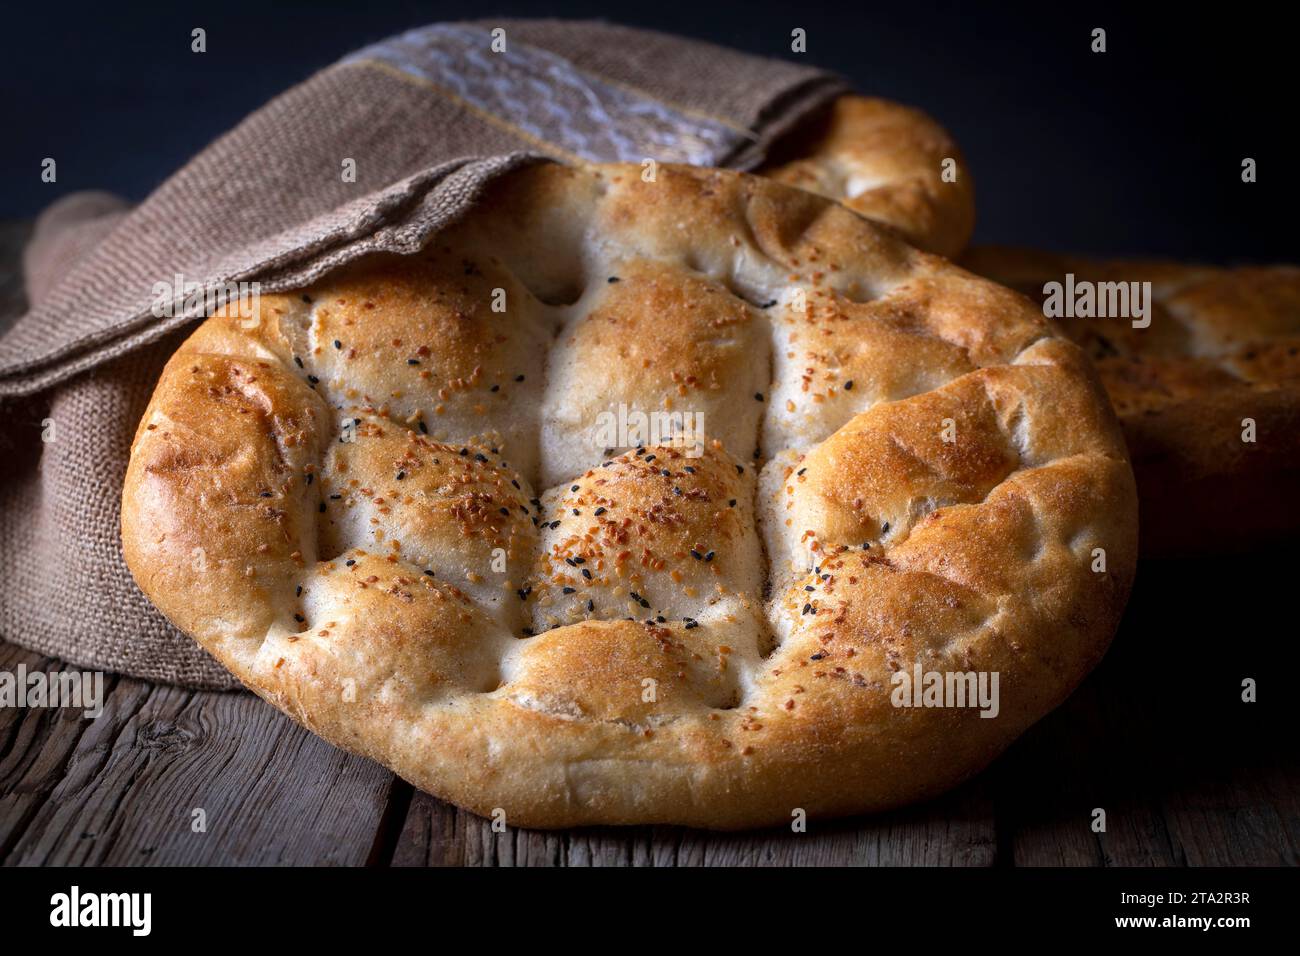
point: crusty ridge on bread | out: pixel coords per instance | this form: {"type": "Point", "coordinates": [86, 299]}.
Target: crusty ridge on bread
{"type": "Point", "coordinates": [379, 502]}
{"type": "Point", "coordinates": [1222, 350]}
{"type": "Point", "coordinates": [889, 162]}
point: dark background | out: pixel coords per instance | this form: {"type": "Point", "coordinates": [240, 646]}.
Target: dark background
{"type": "Point", "coordinates": [1135, 151]}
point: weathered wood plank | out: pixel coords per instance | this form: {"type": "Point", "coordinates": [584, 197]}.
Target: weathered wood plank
{"type": "Point", "coordinates": [957, 830]}
{"type": "Point", "coordinates": [124, 788]}
{"type": "Point", "coordinates": [35, 747]}
{"type": "Point", "coordinates": [1188, 774]}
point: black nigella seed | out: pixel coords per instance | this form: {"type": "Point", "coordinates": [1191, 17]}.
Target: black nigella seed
{"type": "Point", "coordinates": [612, 279]}
{"type": "Point", "coordinates": [306, 298]}
{"type": "Point", "coordinates": [266, 494]}
{"type": "Point", "coordinates": [322, 507]}
{"type": "Point", "coordinates": [313, 379]}
{"type": "Point", "coordinates": [731, 503]}
{"type": "Point", "coordinates": [586, 573]}
{"type": "Point", "coordinates": [338, 344]}
{"type": "Point", "coordinates": [298, 361]}
{"type": "Point", "coordinates": [350, 562]}
{"type": "Point", "coordinates": [505, 511]}
{"type": "Point", "coordinates": [709, 556]}
{"type": "Point", "coordinates": [599, 512]}
{"type": "Point", "coordinates": [816, 657]}
{"type": "Point", "coordinates": [401, 475]}
{"type": "Point", "coordinates": [807, 608]}
{"type": "Point", "coordinates": [299, 618]}
{"type": "Point", "coordinates": [412, 361]}
{"type": "Point", "coordinates": [428, 572]}
{"type": "Point", "coordinates": [573, 487]}
{"type": "Point", "coordinates": [848, 386]}
{"type": "Point", "coordinates": [569, 590]}
{"type": "Point", "coordinates": [424, 428]}
{"type": "Point", "coordinates": [691, 623]}
{"type": "Point", "coordinates": [696, 555]}
{"type": "Point", "coordinates": [519, 378]}
{"type": "Point", "coordinates": [801, 471]}
{"type": "Point", "coordinates": [591, 606]}
{"type": "Point", "coordinates": [298, 592]}
{"type": "Point", "coordinates": [884, 528]}
{"type": "Point", "coordinates": [758, 396]}
{"type": "Point", "coordinates": [495, 388]}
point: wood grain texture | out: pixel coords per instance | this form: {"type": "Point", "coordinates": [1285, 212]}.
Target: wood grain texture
{"type": "Point", "coordinates": [956, 830]}
{"type": "Point", "coordinates": [123, 788]}
{"type": "Point", "coordinates": [1160, 738]}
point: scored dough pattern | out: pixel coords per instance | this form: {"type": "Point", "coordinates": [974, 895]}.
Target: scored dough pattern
{"type": "Point", "coordinates": [387, 506]}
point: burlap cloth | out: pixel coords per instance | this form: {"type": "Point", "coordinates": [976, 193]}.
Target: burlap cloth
{"type": "Point", "coordinates": [426, 118]}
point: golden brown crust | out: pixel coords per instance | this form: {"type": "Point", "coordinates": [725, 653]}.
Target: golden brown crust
{"type": "Point", "coordinates": [887, 162]}
{"type": "Point", "coordinates": [1222, 349]}
{"type": "Point", "coordinates": [512, 616]}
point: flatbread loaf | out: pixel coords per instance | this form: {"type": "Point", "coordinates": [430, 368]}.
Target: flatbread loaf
{"type": "Point", "coordinates": [1208, 392]}
{"type": "Point", "coordinates": [402, 505]}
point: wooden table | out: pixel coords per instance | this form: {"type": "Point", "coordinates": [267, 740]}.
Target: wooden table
{"type": "Point", "coordinates": [1158, 737]}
